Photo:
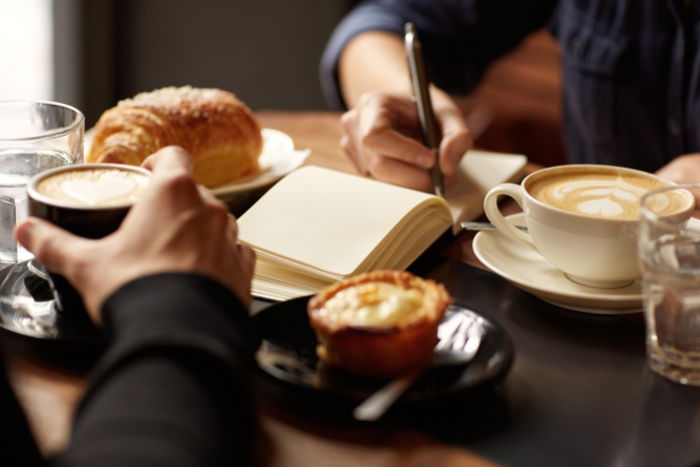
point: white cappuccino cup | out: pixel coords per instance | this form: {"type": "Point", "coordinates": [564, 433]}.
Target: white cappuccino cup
{"type": "Point", "coordinates": [584, 218]}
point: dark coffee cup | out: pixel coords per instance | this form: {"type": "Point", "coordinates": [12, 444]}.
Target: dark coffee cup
{"type": "Point", "coordinates": [89, 200]}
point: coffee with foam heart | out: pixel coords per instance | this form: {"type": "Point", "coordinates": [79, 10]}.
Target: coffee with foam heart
{"type": "Point", "coordinates": [599, 193]}
{"type": "Point", "coordinates": [584, 218]}
{"type": "Point", "coordinates": [93, 187]}
{"type": "Point", "coordinates": [89, 200]}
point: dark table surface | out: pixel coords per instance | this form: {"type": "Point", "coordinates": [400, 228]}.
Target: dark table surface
{"type": "Point", "coordinates": [579, 392]}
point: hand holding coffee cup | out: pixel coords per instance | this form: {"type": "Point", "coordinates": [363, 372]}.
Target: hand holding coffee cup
{"type": "Point", "coordinates": [89, 200]}
{"type": "Point", "coordinates": [584, 219]}
{"type": "Point", "coordinates": [174, 226]}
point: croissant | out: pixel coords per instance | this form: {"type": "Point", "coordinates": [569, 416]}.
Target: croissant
{"type": "Point", "coordinates": [214, 126]}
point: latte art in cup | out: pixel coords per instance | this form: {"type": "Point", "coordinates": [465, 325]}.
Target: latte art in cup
{"type": "Point", "coordinates": [612, 195]}
{"type": "Point", "coordinates": [88, 200]}
{"type": "Point", "coordinates": [93, 187]}
{"type": "Point", "coordinates": [584, 218]}
{"type": "Point", "coordinates": [669, 202]}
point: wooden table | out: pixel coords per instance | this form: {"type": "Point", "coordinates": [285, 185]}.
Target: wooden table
{"type": "Point", "coordinates": [49, 393]}
{"type": "Point", "coordinates": [579, 393]}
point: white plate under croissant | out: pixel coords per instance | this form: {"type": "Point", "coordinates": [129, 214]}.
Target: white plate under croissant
{"type": "Point", "coordinates": [278, 158]}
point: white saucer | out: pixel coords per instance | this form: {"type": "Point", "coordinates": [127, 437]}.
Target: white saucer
{"type": "Point", "coordinates": [528, 270]}
{"type": "Point", "coordinates": [277, 159]}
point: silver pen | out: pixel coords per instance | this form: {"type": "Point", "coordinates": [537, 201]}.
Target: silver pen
{"type": "Point", "coordinates": [424, 106]}
{"type": "Point", "coordinates": [485, 226]}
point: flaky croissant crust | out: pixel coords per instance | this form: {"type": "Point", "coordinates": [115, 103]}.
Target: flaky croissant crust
{"type": "Point", "coordinates": [214, 126]}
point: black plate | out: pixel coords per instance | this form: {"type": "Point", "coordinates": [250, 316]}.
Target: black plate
{"type": "Point", "coordinates": [288, 354]}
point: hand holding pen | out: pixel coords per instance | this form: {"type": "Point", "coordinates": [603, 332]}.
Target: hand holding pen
{"type": "Point", "coordinates": [424, 105]}
{"type": "Point", "coordinates": [382, 133]}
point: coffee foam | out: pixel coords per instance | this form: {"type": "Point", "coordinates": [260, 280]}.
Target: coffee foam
{"type": "Point", "coordinates": [93, 187]}
{"type": "Point", "coordinates": [609, 195]}
{"type": "Point", "coordinates": [669, 202]}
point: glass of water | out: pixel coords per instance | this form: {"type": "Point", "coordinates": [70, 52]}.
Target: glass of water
{"type": "Point", "coordinates": [669, 253]}
{"type": "Point", "coordinates": [34, 136]}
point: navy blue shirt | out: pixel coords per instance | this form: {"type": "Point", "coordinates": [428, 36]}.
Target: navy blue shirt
{"type": "Point", "coordinates": [630, 68]}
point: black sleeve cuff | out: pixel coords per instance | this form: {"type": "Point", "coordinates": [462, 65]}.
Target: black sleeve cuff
{"type": "Point", "coordinates": [179, 310]}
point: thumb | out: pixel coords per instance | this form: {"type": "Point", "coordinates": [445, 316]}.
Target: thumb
{"type": "Point", "coordinates": [456, 140]}
{"type": "Point", "coordinates": [55, 248]}
{"type": "Point", "coordinates": [453, 147]}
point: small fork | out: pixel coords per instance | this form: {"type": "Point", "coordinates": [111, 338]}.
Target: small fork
{"type": "Point", "coordinates": [459, 337]}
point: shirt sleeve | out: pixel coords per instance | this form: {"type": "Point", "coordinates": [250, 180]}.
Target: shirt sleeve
{"type": "Point", "coordinates": [16, 443]}
{"type": "Point", "coordinates": [172, 386]}
{"type": "Point", "coordinates": [460, 37]}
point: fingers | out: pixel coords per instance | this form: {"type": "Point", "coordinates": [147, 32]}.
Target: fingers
{"type": "Point", "coordinates": [220, 211]}
{"type": "Point", "coordinates": [384, 126]}
{"type": "Point", "coordinates": [384, 167]}
{"type": "Point", "coordinates": [209, 198]}
{"type": "Point", "coordinates": [169, 159]}
{"type": "Point", "coordinates": [682, 169]}
{"type": "Point", "coordinates": [387, 142]}
{"type": "Point", "coordinates": [246, 256]}
{"type": "Point", "coordinates": [172, 187]}
{"type": "Point", "coordinates": [456, 141]}
{"type": "Point", "coordinates": [55, 248]}
{"type": "Point", "coordinates": [382, 137]}
{"type": "Point", "coordinates": [233, 227]}
{"type": "Point", "coordinates": [348, 145]}
{"type": "Point", "coordinates": [171, 183]}
{"type": "Point", "coordinates": [388, 126]}
{"type": "Point", "coordinates": [400, 173]}
{"type": "Point", "coordinates": [457, 137]}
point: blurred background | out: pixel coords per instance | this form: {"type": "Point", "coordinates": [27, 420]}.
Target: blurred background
{"type": "Point", "coordinates": [92, 53]}
{"type": "Point", "coordinates": [25, 49]}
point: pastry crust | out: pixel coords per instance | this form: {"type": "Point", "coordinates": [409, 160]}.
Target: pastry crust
{"type": "Point", "coordinates": [214, 126]}
{"type": "Point", "coordinates": [374, 345]}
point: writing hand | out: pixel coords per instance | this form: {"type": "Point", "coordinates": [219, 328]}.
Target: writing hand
{"type": "Point", "coordinates": [382, 137]}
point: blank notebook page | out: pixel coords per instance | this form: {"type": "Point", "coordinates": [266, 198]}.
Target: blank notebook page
{"type": "Point", "coordinates": [329, 221]}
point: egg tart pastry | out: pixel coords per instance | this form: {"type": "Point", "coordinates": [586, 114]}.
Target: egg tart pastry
{"type": "Point", "coordinates": [380, 323]}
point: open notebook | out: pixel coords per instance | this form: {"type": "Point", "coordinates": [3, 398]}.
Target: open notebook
{"type": "Point", "coordinates": [317, 226]}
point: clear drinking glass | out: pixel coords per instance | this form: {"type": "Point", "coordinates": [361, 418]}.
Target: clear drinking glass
{"type": "Point", "coordinates": [669, 253]}
{"type": "Point", "coordinates": [34, 136]}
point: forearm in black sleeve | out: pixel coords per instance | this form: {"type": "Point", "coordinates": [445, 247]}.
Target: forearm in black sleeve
{"type": "Point", "coordinates": [17, 445]}
{"type": "Point", "coordinates": [172, 388]}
